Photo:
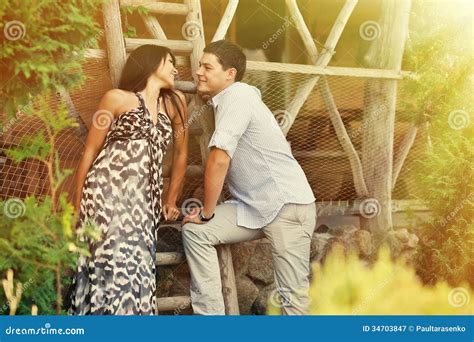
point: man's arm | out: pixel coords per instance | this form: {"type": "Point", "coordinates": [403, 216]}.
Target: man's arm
{"type": "Point", "coordinates": [216, 169]}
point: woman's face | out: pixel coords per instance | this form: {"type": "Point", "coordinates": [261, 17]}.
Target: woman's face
{"type": "Point", "coordinates": [166, 72]}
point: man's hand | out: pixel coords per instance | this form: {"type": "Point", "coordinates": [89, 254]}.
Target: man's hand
{"type": "Point", "coordinates": [170, 212]}
{"type": "Point", "coordinates": [193, 217]}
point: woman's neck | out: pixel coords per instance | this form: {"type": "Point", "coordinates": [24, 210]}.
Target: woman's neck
{"type": "Point", "coordinates": [151, 93]}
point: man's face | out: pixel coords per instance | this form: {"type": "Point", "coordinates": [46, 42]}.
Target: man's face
{"type": "Point", "coordinates": [212, 78]}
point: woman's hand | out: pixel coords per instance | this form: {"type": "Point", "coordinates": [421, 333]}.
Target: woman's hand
{"type": "Point", "coordinates": [170, 212]}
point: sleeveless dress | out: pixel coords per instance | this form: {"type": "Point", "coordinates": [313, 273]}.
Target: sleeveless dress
{"type": "Point", "coordinates": [122, 197]}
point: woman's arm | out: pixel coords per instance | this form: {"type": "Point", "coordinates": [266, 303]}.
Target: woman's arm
{"type": "Point", "coordinates": [180, 155]}
{"type": "Point", "coordinates": [101, 122]}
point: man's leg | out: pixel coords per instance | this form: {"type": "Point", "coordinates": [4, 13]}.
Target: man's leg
{"type": "Point", "coordinates": [199, 241]}
{"type": "Point", "coordinates": [290, 235]}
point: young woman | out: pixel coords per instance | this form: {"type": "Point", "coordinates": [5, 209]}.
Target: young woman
{"type": "Point", "coordinates": [120, 185]}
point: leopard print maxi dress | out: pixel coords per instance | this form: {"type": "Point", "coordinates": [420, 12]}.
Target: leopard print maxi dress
{"type": "Point", "coordinates": [122, 196]}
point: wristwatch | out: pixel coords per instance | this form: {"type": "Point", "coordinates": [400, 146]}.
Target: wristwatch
{"type": "Point", "coordinates": [204, 219]}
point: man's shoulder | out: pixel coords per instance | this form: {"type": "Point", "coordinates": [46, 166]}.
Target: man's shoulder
{"type": "Point", "coordinates": [239, 89]}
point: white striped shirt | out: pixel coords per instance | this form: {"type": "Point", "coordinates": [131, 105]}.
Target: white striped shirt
{"type": "Point", "coordinates": [263, 175]}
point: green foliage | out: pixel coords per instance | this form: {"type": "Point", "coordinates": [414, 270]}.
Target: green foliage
{"type": "Point", "coordinates": [345, 285]}
{"type": "Point", "coordinates": [37, 239]}
{"type": "Point", "coordinates": [440, 53]}
{"type": "Point", "coordinates": [131, 31]}
{"type": "Point", "coordinates": [43, 47]}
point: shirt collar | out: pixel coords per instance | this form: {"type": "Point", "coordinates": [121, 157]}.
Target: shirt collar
{"type": "Point", "coordinates": [215, 100]}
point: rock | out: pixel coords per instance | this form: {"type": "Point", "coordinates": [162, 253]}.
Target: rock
{"type": "Point", "coordinates": [247, 292]}
{"type": "Point", "coordinates": [413, 241]}
{"type": "Point", "coordinates": [318, 245]}
{"type": "Point", "coordinates": [261, 303]}
{"type": "Point", "coordinates": [402, 235]}
{"type": "Point", "coordinates": [363, 242]}
{"type": "Point", "coordinates": [261, 264]}
{"type": "Point", "coordinates": [241, 254]}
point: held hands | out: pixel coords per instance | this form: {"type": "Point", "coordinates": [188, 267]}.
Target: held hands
{"type": "Point", "coordinates": [170, 212]}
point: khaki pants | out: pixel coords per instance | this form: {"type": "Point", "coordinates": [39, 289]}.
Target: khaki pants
{"type": "Point", "coordinates": [290, 237]}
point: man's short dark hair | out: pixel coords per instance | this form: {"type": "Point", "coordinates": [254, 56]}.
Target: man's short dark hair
{"type": "Point", "coordinates": [229, 55]}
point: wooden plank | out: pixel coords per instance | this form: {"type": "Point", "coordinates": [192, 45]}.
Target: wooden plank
{"type": "Point", "coordinates": [153, 26]}
{"type": "Point", "coordinates": [225, 20]}
{"type": "Point", "coordinates": [342, 208]}
{"type": "Point", "coordinates": [229, 289]}
{"type": "Point", "coordinates": [172, 303]}
{"type": "Point", "coordinates": [303, 92]}
{"type": "Point", "coordinates": [344, 140]}
{"type": "Point", "coordinates": [157, 7]}
{"type": "Point", "coordinates": [181, 46]}
{"type": "Point", "coordinates": [114, 38]}
{"type": "Point", "coordinates": [99, 54]}
{"type": "Point", "coordinates": [402, 154]}
{"type": "Point", "coordinates": [293, 68]}
{"type": "Point", "coordinates": [377, 140]}
{"type": "Point", "coordinates": [169, 258]}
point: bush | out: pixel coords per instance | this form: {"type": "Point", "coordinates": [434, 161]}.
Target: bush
{"type": "Point", "coordinates": [43, 47]}
{"type": "Point", "coordinates": [345, 285]}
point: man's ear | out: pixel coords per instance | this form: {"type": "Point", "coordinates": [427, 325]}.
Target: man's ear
{"type": "Point", "coordinates": [231, 73]}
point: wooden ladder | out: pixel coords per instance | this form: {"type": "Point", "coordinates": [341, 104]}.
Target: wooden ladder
{"type": "Point", "coordinates": [117, 48]}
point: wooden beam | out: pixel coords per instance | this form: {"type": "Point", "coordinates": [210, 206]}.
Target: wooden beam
{"type": "Point", "coordinates": [157, 7]}
{"type": "Point", "coordinates": [229, 289]}
{"type": "Point", "coordinates": [326, 70]}
{"type": "Point", "coordinates": [183, 46]}
{"type": "Point", "coordinates": [377, 141]}
{"type": "Point", "coordinates": [343, 138]}
{"type": "Point", "coordinates": [303, 92]}
{"type": "Point", "coordinates": [100, 54]}
{"type": "Point", "coordinates": [169, 258]}
{"type": "Point", "coordinates": [114, 37]}
{"type": "Point", "coordinates": [302, 29]}
{"type": "Point", "coordinates": [225, 20]}
{"type": "Point", "coordinates": [172, 303]}
{"type": "Point", "coordinates": [154, 27]}
{"type": "Point", "coordinates": [402, 154]}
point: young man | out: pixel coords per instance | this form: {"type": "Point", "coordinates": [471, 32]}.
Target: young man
{"type": "Point", "coordinates": [272, 196]}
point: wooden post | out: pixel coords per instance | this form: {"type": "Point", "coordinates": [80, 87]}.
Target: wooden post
{"type": "Point", "coordinates": [377, 140]}
{"type": "Point", "coordinates": [206, 121]}
{"type": "Point", "coordinates": [115, 42]}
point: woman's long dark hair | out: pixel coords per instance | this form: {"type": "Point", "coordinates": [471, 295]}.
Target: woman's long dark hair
{"type": "Point", "coordinates": [142, 62]}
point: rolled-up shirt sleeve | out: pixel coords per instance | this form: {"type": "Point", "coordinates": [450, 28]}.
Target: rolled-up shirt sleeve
{"type": "Point", "coordinates": [232, 119]}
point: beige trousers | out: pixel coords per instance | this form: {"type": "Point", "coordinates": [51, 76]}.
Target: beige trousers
{"type": "Point", "coordinates": [290, 237]}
